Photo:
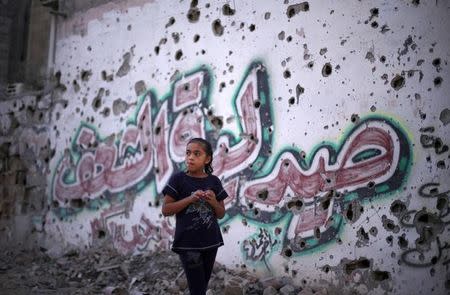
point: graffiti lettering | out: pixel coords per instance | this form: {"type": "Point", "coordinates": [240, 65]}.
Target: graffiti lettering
{"type": "Point", "coordinates": [372, 158]}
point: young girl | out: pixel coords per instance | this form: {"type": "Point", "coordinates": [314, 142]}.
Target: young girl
{"type": "Point", "coordinates": [196, 197]}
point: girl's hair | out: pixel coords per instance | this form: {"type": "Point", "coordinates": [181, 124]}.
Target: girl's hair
{"type": "Point", "coordinates": [208, 150]}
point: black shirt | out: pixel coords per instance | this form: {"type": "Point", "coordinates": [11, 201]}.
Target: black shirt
{"type": "Point", "coordinates": [196, 225]}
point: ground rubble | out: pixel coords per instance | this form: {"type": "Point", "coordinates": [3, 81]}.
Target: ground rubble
{"type": "Point", "coordinates": [102, 270]}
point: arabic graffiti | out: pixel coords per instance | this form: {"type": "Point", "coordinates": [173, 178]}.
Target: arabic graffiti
{"type": "Point", "coordinates": [310, 191]}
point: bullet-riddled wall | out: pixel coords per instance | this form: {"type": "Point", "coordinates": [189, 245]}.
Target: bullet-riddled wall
{"type": "Point", "coordinates": [329, 121]}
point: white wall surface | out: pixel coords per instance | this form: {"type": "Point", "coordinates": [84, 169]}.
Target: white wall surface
{"type": "Point", "coordinates": [385, 170]}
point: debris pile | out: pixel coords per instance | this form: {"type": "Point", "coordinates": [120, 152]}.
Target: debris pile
{"type": "Point", "coordinates": [101, 270]}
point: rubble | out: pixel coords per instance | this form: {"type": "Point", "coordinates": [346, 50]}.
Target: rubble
{"type": "Point", "coordinates": [102, 270]}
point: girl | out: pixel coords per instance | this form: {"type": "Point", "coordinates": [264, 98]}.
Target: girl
{"type": "Point", "coordinates": [196, 197]}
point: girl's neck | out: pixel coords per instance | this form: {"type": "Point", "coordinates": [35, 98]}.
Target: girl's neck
{"type": "Point", "coordinates": [200, 174]}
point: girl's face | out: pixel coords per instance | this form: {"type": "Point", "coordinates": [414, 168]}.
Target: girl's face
{"type": "Point", "coordinates": [196, 158]}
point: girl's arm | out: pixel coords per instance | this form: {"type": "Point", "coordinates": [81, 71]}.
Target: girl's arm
{"type": "Point", "coordinates": [218, 206]}
{"type": "Point", "coordinates": [172, 206]}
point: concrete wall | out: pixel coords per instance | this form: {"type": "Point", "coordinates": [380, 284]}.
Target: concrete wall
{"type": "Point", "coordinates": [329, 120]}
{"type": "Point", "coordinates": [24, 44]}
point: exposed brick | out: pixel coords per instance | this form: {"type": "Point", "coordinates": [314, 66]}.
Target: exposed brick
{"type": "Point", "coordinates": [15, 164]}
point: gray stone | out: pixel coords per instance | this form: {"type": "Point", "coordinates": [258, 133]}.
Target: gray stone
{"type": "Point", "coordinates": [270, 291]}
{"type": "Point", "coordinates": [287, 290]}
{"type": "Point", "coordinates": [233, 288]}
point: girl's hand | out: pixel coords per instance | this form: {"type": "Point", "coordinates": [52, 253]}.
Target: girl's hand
{"type": "Point", "coordinates": [197, 195]}
{"type": "Point", "coordinates": [210, 197]}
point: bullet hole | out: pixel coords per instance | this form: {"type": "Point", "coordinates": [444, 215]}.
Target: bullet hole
{"type": "Point", "coordinates": [256, 211]}
{"type": "Point", "coordinates": [225, 229]}
{"type": "Point", "coordinates": [281, 35]}
{"type": "Point", "coordinates": [106, 112]}
{"type": "Point", "coordinates": [286, 74]}
{"type": "Point", "coordinates": [267, 15]}
{"type": "Point", "coordinates": [379, 275]}
{"type": "Point", "coordinates": [257, 104]}
{"type": "Point", "coordinates": [353, 211]}
{"type": "Point", "coordinates": [402, 242]}
{"type": "Point", "coordinates": [106, 77]}
{"type": "Point", "coordinates": [373, 13]}
{"type": "Point", "coordinates": [373, 231]}
{"type": "Point", "coordinates": [291, 100]}
{"type": "Point", "coordinates": [397, 208]}
{"type": "Point", "coordinates": [289, 38]}
{"type": "Point", "coordinates": [326, 268]}
{"type": "Point", "coordinates": [371, 184]}
{"type": "Point", "coordinates": [263, 195]}
{"type": "Point", "coordinates": [437, 81]}
{"type": "Point", "coordinates": [125, 66]}
{"type": "Point", "coordinates": [203, 51]}
{"type": "Point", "coordinates": [444, 116]}
{"type": "Point", "coordinates": [193, 15]}
{"type": "Point", "coordinates": [196, 37]}
{"type": "Point", "coordinates": [227, 10]}
{"type": "Point", "coordinates": [251, 27]}
{"type": "Point", "coordinates": [157, 50]}
{"type": "Point", "coordinates": [310, 64]}
{"type": "Point", "coordinates": [277, 231]}
{"type": "Point", "coordinates": [441, 164]}
{"type": "Point", "coordinates": [295, 205]}
{"type": "Point", "coordinates": [356, 264]}
{"type": "Point", "coordinates": [101, 234]}
{"type": "Point", "coordinates": [303, 154]}
{"type": "Point", "coordinates": [373, 108]}
{"type": "Point", "coordinates": [170, 22]}
{"type": "Point", "coordinates": [326, 201]}
{"type": "Point", "coordinates": [374, 25]}
{"type": "Point", "coordinates": [175, 37]}
{"type": "Point", "coordinates": [119, 107]}
{"type": "Point", "coordinates": [55, 204]}
{"type": "Point", "coordinates": [389, 224]}
{"type": "Point", "coordinates": [221, 86]}
{"type": "Point", "coordinates": [370, 57]}
{"type": "Point", "coordinates": [355, 118]}
{"type": "Point", "coordinates": [422, 115]}
{"type": "Point", "coordinates": [217, 27]}
{"type": "Point", "coordinates": [442, 203]}
{"type": "Point", "coordinates": [362, 235]}
{"type": "Point", "coordinates": [323, 51]}
{"type": "Point", "coordinates": [250, 205]}
{"type": "Point", "coordinates": [97, 101]}
{"type": "Point", "coordinates": [326, 70]}
{"type": "Point", "coordinates": [302, 244]}
{"type": "Point", "coordinates": [76, 203]}
{"type": "Point", "coordinates": [140, 87]}
{"type": "Point", "coordinates": [292, 10]}
{"type": "Point", "coordinates": [397, 82]}
{"type": "Point", "coordinates": [287, 252]}
{"type": "Point", "coordinates": [217, 122]}
{"type": "Point", "coordinates": [157, 130]}
{"type": "Point", "coordinates": [178, 54]}
{"type": "Point", "coordinates": [76, 86]}
{"type": "Point", "coordinates": [383, 58]}
{"type": "Point", "coordinates": [85, 75]}
{"type": "Point", "coordinates": [299, 90]}
{"type": "Point", "coordinates": [317, 233]}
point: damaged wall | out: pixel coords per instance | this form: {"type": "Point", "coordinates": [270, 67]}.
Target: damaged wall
{"type": "Point", "coordinates": [329, 122]}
